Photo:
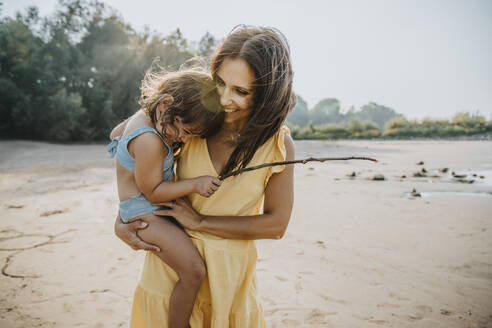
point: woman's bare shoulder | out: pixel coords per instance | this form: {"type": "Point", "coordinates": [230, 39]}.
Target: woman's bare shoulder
{"type": "Point", "coordinates": [289, 146]}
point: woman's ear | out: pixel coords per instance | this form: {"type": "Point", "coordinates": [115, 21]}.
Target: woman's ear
{"type": "Point", "coordinates": [165, 102]}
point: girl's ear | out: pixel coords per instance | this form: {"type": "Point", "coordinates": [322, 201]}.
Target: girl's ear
{"type": "Point", "coordinates": [165, 102]}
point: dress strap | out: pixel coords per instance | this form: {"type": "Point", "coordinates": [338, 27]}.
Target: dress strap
{"type": "Point", "coordinates": [135, 133]}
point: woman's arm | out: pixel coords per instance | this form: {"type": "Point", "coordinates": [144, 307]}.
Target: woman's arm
{"type": "Point", "coordinates": [279, 197]}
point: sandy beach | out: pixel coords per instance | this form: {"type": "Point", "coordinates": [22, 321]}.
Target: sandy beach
{"type": "Point", "coordinates": [357, 252]}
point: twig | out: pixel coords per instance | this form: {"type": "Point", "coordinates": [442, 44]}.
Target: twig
{"type": "Point", "coordinates": [297, 161]}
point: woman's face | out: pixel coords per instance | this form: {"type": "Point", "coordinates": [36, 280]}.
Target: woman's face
{"type": "Point", "coordinates": [235, 86]}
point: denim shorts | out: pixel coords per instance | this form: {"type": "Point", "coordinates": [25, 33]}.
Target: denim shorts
{"type": "Point", "coordinates": [136, 206]}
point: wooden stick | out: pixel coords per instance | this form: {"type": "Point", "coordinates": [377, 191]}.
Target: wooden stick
{"type": "Point", "coordinates": [297, 161]}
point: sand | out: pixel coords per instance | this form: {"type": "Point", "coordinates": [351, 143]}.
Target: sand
{"type": "Point", "coordinates": [357, 252]}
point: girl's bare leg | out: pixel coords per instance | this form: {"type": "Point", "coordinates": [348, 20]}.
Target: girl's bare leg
{"type": "Point", "coordinates": [178, 251]}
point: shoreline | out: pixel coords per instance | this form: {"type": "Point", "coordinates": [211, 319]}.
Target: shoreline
{"type": "Point", "coordinates": [477, 137]}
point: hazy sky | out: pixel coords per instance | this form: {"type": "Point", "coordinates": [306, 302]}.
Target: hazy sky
{"type": "Point", "coordinates": [423, 58]}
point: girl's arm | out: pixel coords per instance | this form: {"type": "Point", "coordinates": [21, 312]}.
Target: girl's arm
{"type": "Point", "coordinates": [118, 130]}
{"type": "Point", "coordinates": [279, 197]}
{"type": "Point", "coordinates": [149, 153]}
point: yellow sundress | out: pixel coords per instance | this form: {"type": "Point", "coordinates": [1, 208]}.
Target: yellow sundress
{"type": "Point", "coordinates": [228, 296]}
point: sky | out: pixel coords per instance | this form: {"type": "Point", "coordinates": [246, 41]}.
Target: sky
{"type": "Point", "coordinates": [422, 58]}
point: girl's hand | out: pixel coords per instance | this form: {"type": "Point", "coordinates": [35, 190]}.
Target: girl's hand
{"type": "Point", "coordinates": [206, 185]}
{"type": "Point", "coordinates": [182, 211]}
{"type": "Point", "coordinates": [127, 232]}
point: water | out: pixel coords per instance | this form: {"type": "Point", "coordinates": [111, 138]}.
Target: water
{"type": "Point", "coordinates": [432, 194]}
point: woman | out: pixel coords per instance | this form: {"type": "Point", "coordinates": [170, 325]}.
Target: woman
{"type": "Point", "coordinates": [253, 72]}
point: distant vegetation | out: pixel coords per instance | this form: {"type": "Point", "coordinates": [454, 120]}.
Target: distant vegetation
{"type": "Point", "coordinates": [462, 124]}
{"type": "Point", "coordinates": [376, 121]}
{"type": "Point", "coordinates": [74, 75]}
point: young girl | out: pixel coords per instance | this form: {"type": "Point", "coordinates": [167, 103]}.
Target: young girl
{"type": "Point", "coordinates": [175, 107]}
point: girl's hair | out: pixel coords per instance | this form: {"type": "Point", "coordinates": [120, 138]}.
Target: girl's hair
{"type": "Point", "coordinates": [267, 53]}
{"type": "Point", "coordinates": [190, 94]}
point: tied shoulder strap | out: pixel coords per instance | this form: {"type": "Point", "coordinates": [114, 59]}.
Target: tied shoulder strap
{"type": "Point", "coordinates": [112, 146]}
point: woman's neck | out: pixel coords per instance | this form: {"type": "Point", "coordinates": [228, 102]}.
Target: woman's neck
{"type": "Point", "coordinates": [231, 131]}
{"type": "Point", "coordinates": [234, 127]}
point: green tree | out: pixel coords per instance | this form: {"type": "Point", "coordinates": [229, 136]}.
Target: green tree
{"type": "Point", "coordinates": [73, 75]}
{"type": "Point", "coordinates": [300, 114]}
{"type": "Point", "coordinates": [207, 45]}
{"type": "Point", "coordinates": [378, 114]}
{"type": "Point", "coordinates": [327, 110]}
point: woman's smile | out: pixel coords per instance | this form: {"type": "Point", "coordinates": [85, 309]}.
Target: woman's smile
{"type": "Point", "coordinates": [235, 86]}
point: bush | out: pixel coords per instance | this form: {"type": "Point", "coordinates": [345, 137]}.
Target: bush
{"type": "Point", "coordinates": [461, 124]}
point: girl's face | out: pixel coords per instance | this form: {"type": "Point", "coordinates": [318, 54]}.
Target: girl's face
{"type": "Point", "coordinates": [183, 132]}
{"type": "Point", "coordinates": [180, 132]}
{"type": "Point", "coordinates": [235, 86]}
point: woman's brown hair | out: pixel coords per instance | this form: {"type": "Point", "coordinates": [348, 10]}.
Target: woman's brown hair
{"type": "Point", "coordinates": [267, 53]}
{"type": "Point", "coordinates": [189, 94]}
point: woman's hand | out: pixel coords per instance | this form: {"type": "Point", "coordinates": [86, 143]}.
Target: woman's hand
{"type": "Point", "coordinates": [128, 233]}
{"type": "Point", "coordinates": [182, 211]}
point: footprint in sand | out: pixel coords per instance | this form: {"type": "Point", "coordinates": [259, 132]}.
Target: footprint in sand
{"type": "Point", "coordinates": [388, 305]}
{"type": "Point", "coordinates": [329, 299]}
{"type": "Point", "coordinates": [316, 316]}
{"type": "Point", "coordinates": [285, 311]}
{"type": "Point", "coordinates": [422, 311]}
{"type": "Point", "coordinates": [424, 308]}
{"type": "Point", "coordinates": [49, 213]}
{"type": "Point", "coordinates": [291, 322]}
{"type": "Point", "coordinates": [446, 312]}
{"type": "Point", "coordinates": [399, 298]}
{"type": "Point", "coordinates": [14, 206]}
{"type": "Point", "coordinates": [281, 278]}
{"type": "Point", "coordinates": [409, 318]}
{"type": "Point", "coordinates": [379, 322]}
{"type": "Point", "coordinates": [372, 320]}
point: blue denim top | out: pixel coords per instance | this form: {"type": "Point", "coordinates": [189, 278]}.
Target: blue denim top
{"type": "Point", "coordinates": [138, 205]}
{"type": "Point", "coordinates": [119, 147]}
